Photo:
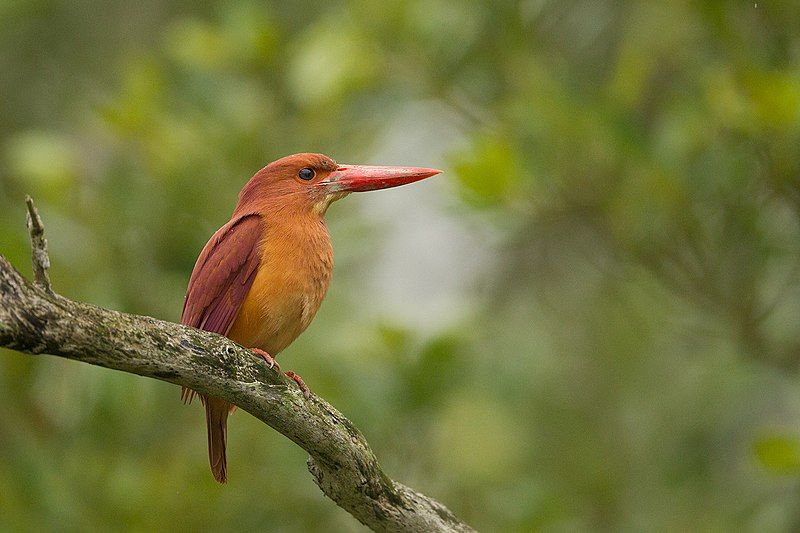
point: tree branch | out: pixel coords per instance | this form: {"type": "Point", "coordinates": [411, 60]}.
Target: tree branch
{"type": "Point", "coordinates": [35, 320]}
{"type": "Point", "coordinates": [39, 255]}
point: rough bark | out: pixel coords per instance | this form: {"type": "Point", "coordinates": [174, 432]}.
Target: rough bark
{"type": "Point", "coordinates": [35, 320]}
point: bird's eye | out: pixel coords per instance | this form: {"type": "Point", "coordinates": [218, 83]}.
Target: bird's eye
{"type": "Point", "coordinates": [306, 174]}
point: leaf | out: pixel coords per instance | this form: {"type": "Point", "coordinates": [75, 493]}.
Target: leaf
{"type": "Point", "coordinates": [488, 172]}
{"type": "Point", "coordinates": [779, 454]}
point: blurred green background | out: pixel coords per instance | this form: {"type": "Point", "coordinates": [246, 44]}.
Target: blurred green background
{"type": "Point", "coordinates": [589, 322]}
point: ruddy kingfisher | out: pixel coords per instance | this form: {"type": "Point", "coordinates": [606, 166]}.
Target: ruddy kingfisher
{"type": "Point", "coordinates": [261, 277]}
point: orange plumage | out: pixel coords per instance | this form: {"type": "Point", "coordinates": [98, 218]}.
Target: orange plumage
{"type": "Point", "coordinates": [261, 278]}
{"type": "Point", "coordinates": [292, 279]}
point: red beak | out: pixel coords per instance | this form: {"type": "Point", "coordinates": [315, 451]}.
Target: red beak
{"type": "Point", "coordinates": [360, 178]}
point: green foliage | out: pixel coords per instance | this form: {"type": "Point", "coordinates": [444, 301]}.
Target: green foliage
{"type": "Point", "coordinates": [779, 454]}
{"type": "Point", "coordinates": [588, 322]}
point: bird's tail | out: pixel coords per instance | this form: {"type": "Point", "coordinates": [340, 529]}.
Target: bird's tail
{"type": "Point", "coordinates": [217, 422]}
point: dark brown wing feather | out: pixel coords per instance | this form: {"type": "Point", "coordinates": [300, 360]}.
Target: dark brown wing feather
{"type": "Point", "coordinates": [220, 281]}
{"type": "Point", "coordinates": [223, 275]}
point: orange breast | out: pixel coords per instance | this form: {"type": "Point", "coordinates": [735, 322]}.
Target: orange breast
{"type": "Point", "coordinates": [292, 279]}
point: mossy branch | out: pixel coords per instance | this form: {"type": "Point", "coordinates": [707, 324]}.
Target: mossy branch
{"type": "Point", "coordinates": [35, 320]}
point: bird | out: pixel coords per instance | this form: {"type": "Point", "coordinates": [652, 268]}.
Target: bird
{"type": "Point", "coordinates": [261, 277]}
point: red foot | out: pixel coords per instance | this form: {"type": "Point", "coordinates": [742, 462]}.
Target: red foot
{"type": "Point", "coordinates": [300, 383]}
{"type": "Point", "coordinates": [268, 358]}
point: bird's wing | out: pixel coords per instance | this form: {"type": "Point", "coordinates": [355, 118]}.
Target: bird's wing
{"type": "Point", "coordinates": [221, 279]}
{"type": "Point", "coordinates": [223, 275]}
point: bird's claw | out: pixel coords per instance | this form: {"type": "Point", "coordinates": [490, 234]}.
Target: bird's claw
{"type": "Point", "coordinates": [267, 358]}
{"type": "Point", "coordinates": [300, 383]}
{"type": "Point", "coordinates": [289, 374]}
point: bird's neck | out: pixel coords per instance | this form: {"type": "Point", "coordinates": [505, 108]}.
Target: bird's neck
{"type": "Point", "coordinates": [302, 239]}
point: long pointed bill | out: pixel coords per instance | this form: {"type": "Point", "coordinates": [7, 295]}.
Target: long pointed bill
{"type": "Point", "coordinates": [360, 178]}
